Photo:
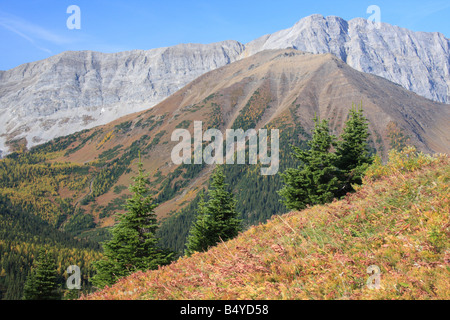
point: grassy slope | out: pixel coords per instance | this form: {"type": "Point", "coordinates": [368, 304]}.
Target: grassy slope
{"type": "Point", "coordinates": [398, 220]}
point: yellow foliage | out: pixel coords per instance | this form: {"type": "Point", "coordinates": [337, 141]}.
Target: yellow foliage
{"type": "Point", "coordinates": [107, 137]}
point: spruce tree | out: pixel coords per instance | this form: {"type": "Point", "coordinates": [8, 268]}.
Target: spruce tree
{"type": "Point", "coordinates": [353, 150]}
{"type": "Point", "coordinates": [315, 181]}
{"type": "Point", "coordinates": [42, 283]}
{"type": "Point", "coordinates": [134, 245]}
{"type": "Point", "coordinates": [199, 234]}
{"type": "Point", "coordinates": [217, 219]}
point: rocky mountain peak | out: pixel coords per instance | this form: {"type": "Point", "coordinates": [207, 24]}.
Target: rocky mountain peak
{"type": "Point", "coordinates": [418, 61]}
{"type": "Point", "coordinates": [76, 90]}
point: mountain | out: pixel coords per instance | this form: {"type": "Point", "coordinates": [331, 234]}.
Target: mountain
{"type": "Point", "coordinates": [79, 90]}
{"type": "Point", "coordinates": [418, 61]}
{"type": "Point", "coordinates": [78, 182]}
{"type": "Point", "coordinates": [396, 224]}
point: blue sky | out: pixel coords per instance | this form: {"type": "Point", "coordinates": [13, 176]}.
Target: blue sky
{"type": "Point", "coordinates": [34, 30]}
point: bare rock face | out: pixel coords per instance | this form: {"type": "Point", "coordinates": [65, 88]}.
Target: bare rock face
{"type": "Point", "coordinates": [73, 91]}
{"type": "Point", "coordinates": [418, 61]}
{"type": "Point", "coordinates": [77, 90]}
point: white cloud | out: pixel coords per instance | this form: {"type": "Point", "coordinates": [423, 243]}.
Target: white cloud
{"type": "Point", "coordinates": [30, 31]}
{"type": "Point", "coordinates": [24, 36]}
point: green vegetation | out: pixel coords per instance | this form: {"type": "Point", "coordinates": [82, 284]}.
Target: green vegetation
{"type": "Point", "coordinates": [152, 122]}
{"type": "Point", "coordinates": [113, 206]}
{"type": "Point", "coordinates": [42, 282]}
{"type": "Point", "coordinates": [183, 124]}
{"type": "Point", "coordinates": [133, 245]}
{"type": "Point", "coordinates": [178, 179]}
{"type": "Point", "coordinates": [22, 235]}
{"type": "Point", "coordinates": [33, 184]}
{"type": "Point", "coordinates": [113, 170]}
{"type": "Point", "coordinates": [322, 174]}
{"type": "Point", "coordinates": [352, 151]}
{"type": "Point", "coordinates": [82, 143]}
{"type": "Point", "coordinates": [256, 195]}
{"type": "Point", "coordinates": [252, 112]}
{"type": "Point", "coordinates": [155, 141]}
{"type": "Point", "coordinates": [316, 181]}
{"type": "Point", "coordinates": [111, 153]}
{"type": "Point", "coordinates": [78, 223]}
{"type": "Point", "coordinates": [123, 127]}
{"type": "Point", "coordinates": [217, 220]}
{"type": "Point", "coordinates": [216, 117]}
{"type": "Point", "coordinates": [57, 144]}
{"type": "Point", "coordinates": [119, 189]}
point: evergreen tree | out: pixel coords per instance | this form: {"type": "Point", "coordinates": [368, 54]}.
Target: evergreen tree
{"type": "Point", "coordinates": [42, 282]}
{"type": "Point", "coordinates": [315, 181]}
{"type": "Point", "coordinates": [133, 245]}
{"type": "Point", "coordinates": [199, 234]}
{"type": "Point", "coordinates": [352, 150]}
{"type": "Point", "coordinates": [217, 219]}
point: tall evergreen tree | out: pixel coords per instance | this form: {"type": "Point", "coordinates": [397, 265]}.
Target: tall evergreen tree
{"type": "Point", "coordinates": [134, 245]}
{"type": "Point", "coordinates": [353, 150]}
{"type": "Point", "coordinates": [199, 234]}
{"type": "Point", "coordinates": [42, 283]}
{"type": "Point", "coordinates": [315, 181]}
{"type": "Point", "coordinates": [217, 219]}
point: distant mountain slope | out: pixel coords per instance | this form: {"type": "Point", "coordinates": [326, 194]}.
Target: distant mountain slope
{"type": "Point", "coordinates": [89, 171]}
{"type": "Point", "coordinates": [418, 61]}
{"type": "Point", "coordinates": [77, 90]}
{"type": "Point", "coordinates": [398, 222]}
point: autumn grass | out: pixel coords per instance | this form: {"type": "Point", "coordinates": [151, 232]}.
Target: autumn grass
{"type": "Point", "coordinates": [398, 220]}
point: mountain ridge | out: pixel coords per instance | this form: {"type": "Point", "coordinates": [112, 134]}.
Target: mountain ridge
{"type": "Point", "coordinates": [98, 87]}
{"type": "Point", "coordinates": [82, 97]}
{"type": "Point", "coordinates": [354, 43]}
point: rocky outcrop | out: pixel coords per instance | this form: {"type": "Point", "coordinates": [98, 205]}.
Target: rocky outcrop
{"type": "Point", "coordinates": [77, 90]}
{"type": "Point", "coordinates": [418, 61]}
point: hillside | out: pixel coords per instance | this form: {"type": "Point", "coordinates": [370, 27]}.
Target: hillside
{"type": "Point", "coordinates": [398, 220]}
{"type": "Point", "coordinates": [22, 235]}
{"type": "Point", "coordinates": [78, 182]}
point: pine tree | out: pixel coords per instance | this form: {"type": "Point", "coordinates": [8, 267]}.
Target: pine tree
{"type": "Point", "coordinates": [42, 282]}
{"type": "Point", "coordinates": [134, 245]}
{"type": "Point", "coordinates": [315, 181]}
{"type": "Point", "coordinates": [217, 220]}
{"type": "Point", "coordinates": [352, 150]}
